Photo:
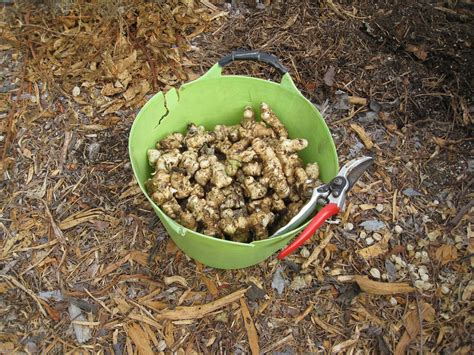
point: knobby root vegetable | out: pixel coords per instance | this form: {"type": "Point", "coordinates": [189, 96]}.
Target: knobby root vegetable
{"type": "Point", "coordinates": [252, 168]}
{"type": "Point", "coordinates": [269, 117]}
{"type": "Point", "coordinates": [239, 182]}
{"type": "Point", "coordinates": [271, 167]}
{"type": "Point", "coordinates": [173, 141]}
{"type": "Point", "coordinates": [197, 136]}
{"type": "Point", "coordinates": [219, 177]}
{"type": "Point", "coordinates": [189, 162]}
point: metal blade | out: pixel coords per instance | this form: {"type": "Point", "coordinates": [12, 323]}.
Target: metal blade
{"type": "Point", "coordinates": [301, 217]}
{"type": "Point", "coordinates": [359, 167]}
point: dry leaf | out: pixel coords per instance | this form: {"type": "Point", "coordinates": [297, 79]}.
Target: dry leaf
{"type": "Point", "coordinates": [139, 338]}
{"type": "Point", "coordinates": [329, 76]}
{"type": "Point", "coordinates": [125, 63]}
{"type": "Point", "coordinates": [347, 343]}
{"type": "Point", "coordinates": [79, 218]}
{"type": "Point", "coordinates": [317, 250]}
{"type": "Point", "coordinates": [250, 327]}
{"type": "Point", "coordinates": [4, 287]}
{"type": "Point", "coordinates": [446, 253]}
{"type": "Point", "coordinates": [291, 21]}
{"type": "Point", "coordinates": [139, 93]}
{"type": "Point", "coordinates": [362, 135]}
{"type": "Point", "coordinates": [376, 249]}
{"type": "Point", "coordinates": [53, 313]}
{"type": "Point", "coordinates": [411, 321]}
{"type": "Point", "coordinates": [139, 257]}
{"type": "Point", "coordinates": [195, 312]}
{"type": "Point", "coordinates": [117, 105]}
{"type": "Point", "coordinates": [412, 325]}
{"type": "Point", "coordinates": [132, 91]}
{"type": "Point", "coordinates": [110, 90]}
{"type": "Point", "coordinates": [418, 51]}
{"type": "Point", "coordinates": [211, 286]}
{"type": "Point", "coordinates": [381, 288]}
{"type": "Point", "coordinates": [178, 279]}
{"type": "Point", "coordinates": [82, 332]}
{"type": "Point", "coordinates": [171, 247]}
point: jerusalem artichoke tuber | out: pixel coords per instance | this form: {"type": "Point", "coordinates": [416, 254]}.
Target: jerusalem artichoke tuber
{"type": "Point", "coordinates": [254, 189]}
{"type": "Point", "coordinates": [189, 162]}
{"type": "Point", "coordinates": [259, 221]}
{"type": "Point", "coordinates": [219, 177]}
{"type": "Point", "coordinates": [168, 160]}
{"type": "Point", "coordinates": [271, 167]}
{"type": "Point", "coordinates": [197, 136]}
{"type": "Point", "coordinates": [238, 182]}
{"type": "Point", "coordinates": [252, 168]}
{"type": "Point", "coordinates": [153, 155]}
{"type": "Point", "coordinates": [269, 117]}
{"type": "Point", "coordinates": [181, 184]}
{"type": "Point", "coordinates": [173, 141]}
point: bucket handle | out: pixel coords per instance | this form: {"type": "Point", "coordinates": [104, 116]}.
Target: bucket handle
{"type": "Point", "coordinates": [256, 56]}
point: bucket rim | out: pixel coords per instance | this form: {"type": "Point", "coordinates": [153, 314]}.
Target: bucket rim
{"type": "Point", "coordinates": [289, 88]}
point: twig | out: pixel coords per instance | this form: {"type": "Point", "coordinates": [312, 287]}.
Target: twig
{"type": "Point", "coordinates": [314, 255]}
{"type": "Point", "coordinates": [195, 312]}
{"type": "Point", "coordinates": [84, 34]}
{"type": "Point", "coordinates": [394, 206]}
{"type": "Point", "coordinates": [29, 292]}
{"type": "Point", "coordinates": [420, 313]}
{"type": "Point", "coordinates": [250, 327]}
{"type": "Point", "coordinates": [277, 344]}
{"type": "Point", "coordinates": [350, 116]}
{"type": "Point", "coordinates": [304, 314]}
{"type": "Point", "coordinates": [10, 135]}
{"type": "Point", "coordinates": [98, 301]}
{"type": "Point", "coordinates": [151, 62]}
{"type": "Point", "coordinates": [342, 12]}
{"type": "Point", "coordinates": [67, 141]}
{"type": "Point", "coordinates": [37, 263]}
{"type": "Point", "coordinates": [462, 211]}
{"type": "Point", "coordinates": [57, 231]}
{"type": "Point", "coordinates": [111, 284]}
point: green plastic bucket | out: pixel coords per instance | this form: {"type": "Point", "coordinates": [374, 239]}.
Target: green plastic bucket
{"type": "Point", "coordinates": [220, 99]}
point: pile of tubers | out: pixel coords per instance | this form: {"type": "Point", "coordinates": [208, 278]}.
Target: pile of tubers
{"type": "Point", "coordinates": [240, 182]}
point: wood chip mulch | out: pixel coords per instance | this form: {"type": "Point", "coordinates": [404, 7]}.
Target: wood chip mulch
{"type": "Point", "coordinates": [85, 265]}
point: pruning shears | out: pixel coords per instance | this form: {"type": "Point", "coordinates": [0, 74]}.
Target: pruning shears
{"type": "Point", "coordinates": [331, 195]}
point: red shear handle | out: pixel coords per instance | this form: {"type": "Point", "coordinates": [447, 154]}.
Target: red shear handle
{"type": "Point", "coordinates": [326, 212]}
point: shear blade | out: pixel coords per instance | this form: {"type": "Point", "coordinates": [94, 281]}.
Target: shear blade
{"type": "Point", "coordinates": [357, 168]}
